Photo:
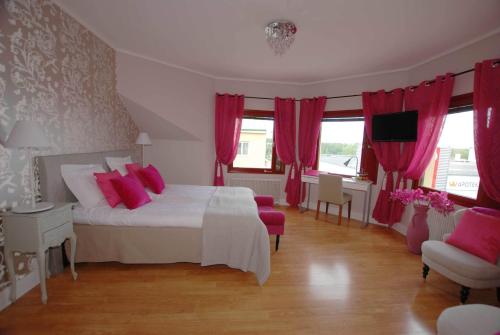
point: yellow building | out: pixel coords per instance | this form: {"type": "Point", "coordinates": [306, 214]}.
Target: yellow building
{"type": "Point", "coordinates": [252, 149]}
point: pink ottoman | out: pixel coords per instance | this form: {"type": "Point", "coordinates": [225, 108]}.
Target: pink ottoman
{"type": "Point", "coordinates": [273, 219]}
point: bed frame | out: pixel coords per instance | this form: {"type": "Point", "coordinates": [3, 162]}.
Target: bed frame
{"type": "Point", "coordinates": [99, 243]}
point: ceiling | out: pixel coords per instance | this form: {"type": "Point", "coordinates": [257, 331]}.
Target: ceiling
{"type": "Point", "coordinates": [335, 38]}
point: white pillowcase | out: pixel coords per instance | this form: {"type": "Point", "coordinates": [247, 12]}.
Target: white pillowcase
{"type": "Point", "coordinates": [118, 163]}
{"type": "Point", "coordinates": [81, 182]}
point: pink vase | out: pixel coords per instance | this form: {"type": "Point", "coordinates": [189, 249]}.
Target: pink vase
{"type": "Point", "coordinates": [418, 231]}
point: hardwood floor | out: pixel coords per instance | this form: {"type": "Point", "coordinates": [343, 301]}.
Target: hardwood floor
{"type": "Point", "coordinates": [326, 279]}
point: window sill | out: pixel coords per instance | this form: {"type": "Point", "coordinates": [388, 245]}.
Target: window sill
{"type": "Point", "coordinates": [253, 171]}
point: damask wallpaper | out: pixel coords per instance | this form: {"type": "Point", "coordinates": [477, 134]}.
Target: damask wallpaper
{"type": "Point", "coordinates": [55, 71]}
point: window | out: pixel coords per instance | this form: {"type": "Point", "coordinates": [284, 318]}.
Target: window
{"type": "Point", "coordinates": [341, 144]}
{"type": "Point", "coordinates": [256, 151]}
{"type": "Point", "coordinates": [453, 167]}
{"type": "Point", "coordinates": [243, 148]}
{"type": "Point", "coordinates": [344, 147]}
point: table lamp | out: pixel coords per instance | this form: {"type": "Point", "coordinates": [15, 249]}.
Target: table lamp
{"type": "Point", "coordinates": [28, 135]}
{"type": "Point", "coordinates": [143, 139]}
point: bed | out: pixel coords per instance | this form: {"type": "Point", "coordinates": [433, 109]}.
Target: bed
{"type": "Point", "coordinates": [186, 223]}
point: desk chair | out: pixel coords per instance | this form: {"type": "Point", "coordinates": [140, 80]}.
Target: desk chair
{"type": "Point", "coordinates": [331, 191]}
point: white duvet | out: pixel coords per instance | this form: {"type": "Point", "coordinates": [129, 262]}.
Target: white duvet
{"type": "Point", "coordinates": [232, 232]}
{"type": "Point", "coordinates": [177, 206]}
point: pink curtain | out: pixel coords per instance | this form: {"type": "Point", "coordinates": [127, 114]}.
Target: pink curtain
{"type": "Point", "coordinates": [228, 118]}
{"type": "Point", "coordinates": [432, 100]}
{"type": "Point", "coordinates": [284, 136]}
{"type": "Point", "coordinates": [388, 153]}
{"type": "Point", "coordinates": [487, 125]}
{"type": "Point", "coordinates": [311, 114]}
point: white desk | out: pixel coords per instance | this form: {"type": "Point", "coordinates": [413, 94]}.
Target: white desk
{"type": "Point", "coordinates": [348, 184]}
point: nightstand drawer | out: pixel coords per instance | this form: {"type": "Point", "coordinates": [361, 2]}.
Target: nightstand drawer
{"type": "Point", "coordinates": [57, 219]}
{"type": "Point", "coordinates": [56, 236]}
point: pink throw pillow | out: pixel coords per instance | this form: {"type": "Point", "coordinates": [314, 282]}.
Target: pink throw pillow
{"type": "Point", "coordinates": [154, 180]}
{"type": "Point", "coordinates": [131, 191]}
{"type": "Point", "coordinates": [104, 182]}
{"type": "Point", "coordinates": [133, 169]}
{"type": "Point", "coordinates": [478, 234]}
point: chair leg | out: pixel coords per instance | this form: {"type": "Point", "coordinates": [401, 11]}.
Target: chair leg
{"type": "Point", "coordinates": [349, 205]}
{"type": "Point", "coordinates": [425, 271]}
{"type": "Point", "coordinates": [317, 209]}
{"type": "Point", "coordinates": [277, 242]}
{"type": "Point", "coordinates": [327, 204]}
{"type": "Point", "coordinates": [340, 215]}
{"type": "Point", "coordinates": [464, 294]}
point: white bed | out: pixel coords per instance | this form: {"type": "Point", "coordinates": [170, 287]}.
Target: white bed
{"type": "Point", "coordinates": [198, 224]}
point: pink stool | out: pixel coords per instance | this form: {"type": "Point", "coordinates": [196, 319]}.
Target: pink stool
{"type": "Point", "coordinates": [273, 219]}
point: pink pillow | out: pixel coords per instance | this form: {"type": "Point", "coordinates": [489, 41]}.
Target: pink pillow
{"type": "Point", "coordinates": [133, 169]}
{"type": "Point", "coordinates": [478, 234]}
{"type": "Point", "coordinates": [131, 191]}
{"type": "Point", "coordinates": [153, 179]}
{"type": "Point", "coordinates": [104, 182]}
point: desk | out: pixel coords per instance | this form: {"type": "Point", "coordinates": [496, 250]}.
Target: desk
{"type": "Point", "coordinates": [312, 177]}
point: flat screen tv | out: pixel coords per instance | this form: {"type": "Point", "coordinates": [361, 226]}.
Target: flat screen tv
{"type": "Point", "coordinates": [395, 127]}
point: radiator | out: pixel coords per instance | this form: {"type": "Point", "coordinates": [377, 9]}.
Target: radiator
{"type": "Point", "coordinates": [439, 225]}
{"type": "Point", "coordinates": [260, 186]}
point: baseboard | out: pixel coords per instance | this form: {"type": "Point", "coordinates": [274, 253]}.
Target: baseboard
{"type": "Point", "coordinates": [24, 284]}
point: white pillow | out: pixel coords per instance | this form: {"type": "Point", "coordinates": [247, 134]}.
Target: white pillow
{"type": "Point", "coordinates": [118, 163]}
{"type": "Point", "coordinates": [81, 182]}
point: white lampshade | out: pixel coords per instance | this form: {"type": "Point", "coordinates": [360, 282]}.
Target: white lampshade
{"type": "Point", "coordinates": [143, 139]}
{"type": "Point", "coordinates": [27, 134]}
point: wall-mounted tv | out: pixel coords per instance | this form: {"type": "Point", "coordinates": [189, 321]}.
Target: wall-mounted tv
{"type": "Point", "coordinates": [395, 127]}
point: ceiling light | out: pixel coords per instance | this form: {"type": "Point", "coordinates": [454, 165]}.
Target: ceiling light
{"type": "Point", "coordinates": [280, 35]}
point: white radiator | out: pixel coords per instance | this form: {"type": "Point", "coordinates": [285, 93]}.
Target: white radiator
{"type": "Point", "coordinates": [439, 225]}
{"type": "Point", "coordinates": [260, 186]}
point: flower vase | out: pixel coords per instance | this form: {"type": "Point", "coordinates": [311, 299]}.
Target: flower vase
{"type": "Point", "coordinates": [418, 231]}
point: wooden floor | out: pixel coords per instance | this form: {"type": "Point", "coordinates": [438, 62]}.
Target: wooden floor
{"type": "Point", "coordinates": [326, 279]}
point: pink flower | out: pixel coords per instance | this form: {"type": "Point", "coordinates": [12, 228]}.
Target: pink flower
{"type": "Point", "coordinates": [437, 200]}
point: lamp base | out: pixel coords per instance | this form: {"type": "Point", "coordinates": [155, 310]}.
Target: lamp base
{"type": "Point", "coordinates": [39, 207]}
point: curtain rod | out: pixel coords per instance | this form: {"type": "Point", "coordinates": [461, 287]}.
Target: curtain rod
{"type": "Point", "coordinates": [358, 95]}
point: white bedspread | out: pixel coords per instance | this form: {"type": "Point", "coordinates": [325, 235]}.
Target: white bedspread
{"type": "Point", "coordinates": [233, 233]}
{"type": "Point", "coordinates": [177, 206]}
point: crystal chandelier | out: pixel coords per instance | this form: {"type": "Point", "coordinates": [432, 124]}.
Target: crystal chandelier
{"type": "Point", "coordinates": [280, 35]}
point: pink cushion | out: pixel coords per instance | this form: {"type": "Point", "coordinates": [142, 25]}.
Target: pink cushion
{"type": "Point", "coordinates": [104, 182]}
{"type": "Point", "coordinates": [264, 200]}
{"type": "Point", "coordinates": [273, 218]}
{"type": "Point", "coordinates": [154, 180]}
{"type": "Point", "coordinates": [478, 234]}
{"type": "Point", "coordinates": [133, 169]}
{"type": "Point", "coordinates": [131, 191]}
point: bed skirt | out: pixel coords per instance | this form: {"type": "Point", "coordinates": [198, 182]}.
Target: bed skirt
{"type": "Point", "coordinates": [135, 245]}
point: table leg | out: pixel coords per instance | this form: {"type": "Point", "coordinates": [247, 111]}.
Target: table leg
{"type": "Point", "coordinates": [40, 257]}
{"type": "Point", "coordinates": [364, 207]}
{"type": "Point", "coordinates": [73, 253]}
{"type": "Point", "coordinates": [305, 209]}
{"type": "Point", "coordinates": [9, 260]}
{"type": "Point", "coordinates": [369, 205]}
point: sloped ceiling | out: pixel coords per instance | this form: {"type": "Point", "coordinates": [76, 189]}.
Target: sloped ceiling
{"type": "Point", "coordinates": [335, 38]}
{"type": "Point", "coordinates": [156, 126]}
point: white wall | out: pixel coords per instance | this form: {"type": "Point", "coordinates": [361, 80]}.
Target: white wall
{"type": "Point", "coordinates": [183, 98]}
{"type": "Point", "coordinates": [187, 100]}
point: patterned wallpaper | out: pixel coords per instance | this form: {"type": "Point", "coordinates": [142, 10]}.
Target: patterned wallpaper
{"type": "Point", "coordinates": [53, 70]}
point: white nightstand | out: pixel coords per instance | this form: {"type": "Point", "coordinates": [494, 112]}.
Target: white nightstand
{"type": "Point", "coordinates": [35, 233]}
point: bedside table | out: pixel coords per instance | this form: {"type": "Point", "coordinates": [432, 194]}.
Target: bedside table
{"type": "Point", "coordinates": [35, 233]}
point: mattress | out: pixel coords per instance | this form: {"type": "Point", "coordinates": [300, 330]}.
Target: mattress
{"type": "Point", "coordinates": [178, 206]}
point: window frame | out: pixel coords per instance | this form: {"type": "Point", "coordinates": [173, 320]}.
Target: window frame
{"type": "Point", "coordinates": [369, 162]}
{"type": "Point", "coordinates": [461, 103]}
{"type": "Point", "coordinates": [275, 167]}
